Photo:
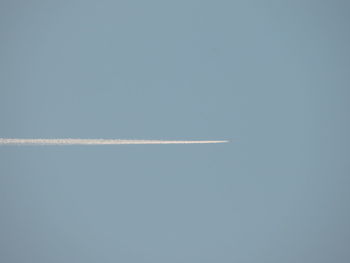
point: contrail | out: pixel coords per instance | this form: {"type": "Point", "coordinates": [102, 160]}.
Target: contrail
{"type": "Point", "coordinates": [69, 141]}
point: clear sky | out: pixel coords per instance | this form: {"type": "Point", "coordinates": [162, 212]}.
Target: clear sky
{"type": "Point", "coordinates": [270, 76]}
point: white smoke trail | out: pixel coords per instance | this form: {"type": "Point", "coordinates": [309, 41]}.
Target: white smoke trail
{"type": "Point", "coordinates": [69, 141]}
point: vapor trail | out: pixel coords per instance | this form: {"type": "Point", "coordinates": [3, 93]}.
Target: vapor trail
{"type": "Point", "coordinates": [69, 141]}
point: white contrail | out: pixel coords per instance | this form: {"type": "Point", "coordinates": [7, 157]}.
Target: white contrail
{"type": "Point", "coordinates": [69, 141]}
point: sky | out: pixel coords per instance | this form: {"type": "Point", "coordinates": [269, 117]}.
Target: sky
{"type": "Point", "coordinates": [272, 77]}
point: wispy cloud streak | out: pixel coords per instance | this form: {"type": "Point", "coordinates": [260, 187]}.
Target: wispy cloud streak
{"type": "Point", "coordinates": [69, 141]}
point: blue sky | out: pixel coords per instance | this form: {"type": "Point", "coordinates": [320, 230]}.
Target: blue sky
{"type": "Point", "coordinates": [272, 77]}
